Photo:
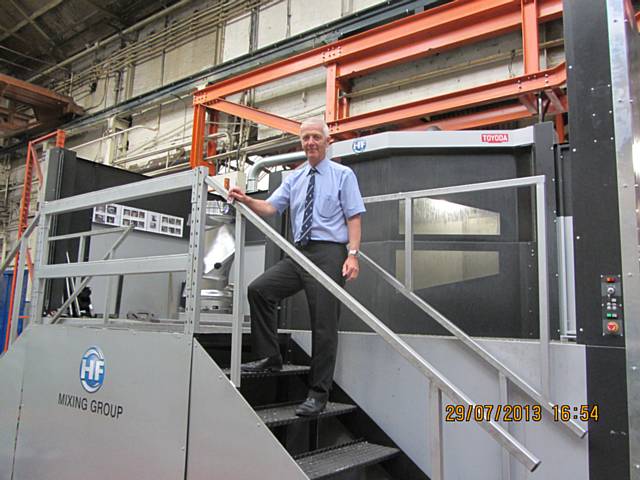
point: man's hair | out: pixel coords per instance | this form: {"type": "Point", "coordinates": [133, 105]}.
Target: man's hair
{"type": "Point", "coordinates": [317, 122]}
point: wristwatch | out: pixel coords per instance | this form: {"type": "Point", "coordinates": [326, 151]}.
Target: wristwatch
{"type": "Point", "coordinates": [354, 252]}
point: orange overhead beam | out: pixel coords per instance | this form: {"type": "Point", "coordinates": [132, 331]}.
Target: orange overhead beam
{"type": "Point", "coordinates": [473, 26]}
{"type": "Point", "coordinates": [258, 116]}
{"type": "Point", "coordinates": [491, 116]}
{"type": "Point", "coordinates": [530, 38]}
{"type": "Point", "coordinates": [197, 136]}
{"type": "Point", "coordinates": [483, 94]}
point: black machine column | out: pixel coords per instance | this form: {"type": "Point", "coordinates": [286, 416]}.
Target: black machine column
{"type": "Point", "coordinates": [601, 42]}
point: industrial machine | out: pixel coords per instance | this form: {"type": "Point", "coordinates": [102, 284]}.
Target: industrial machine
{"type": "Point", "coordinates": [217, 293]}
{"type": "Point", "coordinates": [425, 237]}
{"type": "Point", "coordinates": [490, 336]}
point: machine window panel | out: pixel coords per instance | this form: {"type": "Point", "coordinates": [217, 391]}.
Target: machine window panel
{"type": "Point", "coordinates": [442, 217]}
{"type": "Point", "coordinates": [432, 268]}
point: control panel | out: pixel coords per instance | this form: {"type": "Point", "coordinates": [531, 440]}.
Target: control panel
{"type": "Point", "coordinates": [612, 308]}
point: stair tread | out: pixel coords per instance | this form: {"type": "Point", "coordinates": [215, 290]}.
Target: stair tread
{"type": "Point", "coordinates": [329, 462]}
{"type": "Point", "coordinates": [285, 414]}
{"type": "Point", "coordinates": [287, 369]}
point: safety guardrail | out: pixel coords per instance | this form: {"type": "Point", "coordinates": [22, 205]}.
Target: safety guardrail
{"type": "Point", "coordinates": [438, 383]}
{"type": "Point", "coordinates": [108, 266]}
{"type": "Point", "coordinates": [541, 398]}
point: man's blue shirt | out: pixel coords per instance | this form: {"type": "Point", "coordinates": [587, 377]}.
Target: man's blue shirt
{"type": "Point", "coordinates": [336, 198]}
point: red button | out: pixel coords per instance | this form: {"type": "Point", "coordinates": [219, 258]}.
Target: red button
{"type": "Point", "coordinates": [611, 279]}
{"type": "Point", "coordinates": [613, 327]}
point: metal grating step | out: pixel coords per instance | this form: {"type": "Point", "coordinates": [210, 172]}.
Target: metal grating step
{"type": "Point", "coordinates": [287, 369]}
{"type": "Point", "coordinates": [285, 414]}
{"type": "Point", "coordinates": [326, 463]}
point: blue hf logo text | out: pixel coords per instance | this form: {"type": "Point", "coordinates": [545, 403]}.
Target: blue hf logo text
{"type": "Point", "coordinates": [92, 370]}
{"type": "Point", "coordinates": [359, 146]}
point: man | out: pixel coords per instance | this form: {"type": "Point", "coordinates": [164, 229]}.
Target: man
{"type": "Point", "coordinates": [325, 206]}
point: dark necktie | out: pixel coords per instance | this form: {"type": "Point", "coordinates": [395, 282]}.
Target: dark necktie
{"type": "Point", "coordinates": [305, 236]}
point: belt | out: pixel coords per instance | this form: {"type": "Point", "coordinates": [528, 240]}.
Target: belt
{"type": "Point", "coordinates": [317, 242]}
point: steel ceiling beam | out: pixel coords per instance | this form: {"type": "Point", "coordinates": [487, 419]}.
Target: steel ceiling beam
{"type": "Point", "coordinates": [15, 52]}
{"type": "Point", "coordinates": [14, 35]}
{"type": "Point", "coordinates": [7, 112]}
{"type": "Point", "coordinates": [105, 11]}
{"type": "Point", "coordinates": [31, 19]}
{"type": "Point", "coordinates": [9, 62]}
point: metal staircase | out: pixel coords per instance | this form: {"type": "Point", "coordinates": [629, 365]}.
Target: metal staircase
{"type": "Point", "coordinates": [322, 449]}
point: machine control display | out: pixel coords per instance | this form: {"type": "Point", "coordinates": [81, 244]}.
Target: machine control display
{"type": "Point", "coordinates": [611, 305]}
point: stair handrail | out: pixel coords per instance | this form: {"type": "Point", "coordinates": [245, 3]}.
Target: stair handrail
{"type": "Point", "coordinates": [538, 181]}
{"type": "Point", "coordinates": [442, 384]}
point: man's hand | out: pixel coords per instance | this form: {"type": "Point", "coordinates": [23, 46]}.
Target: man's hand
{"type": "Point", "coordinates": [261, 207]}
{"type": "Point", "coordinates": [236, 193]}
{"type": "Point", "coordinates": [350, 268]}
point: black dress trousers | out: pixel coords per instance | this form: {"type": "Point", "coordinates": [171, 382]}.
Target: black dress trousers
{"type": "Point", "coordinates": [285, 279]}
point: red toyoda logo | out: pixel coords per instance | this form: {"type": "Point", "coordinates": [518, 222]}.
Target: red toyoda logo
{"type": "Point", "coordinates": [494, 137]}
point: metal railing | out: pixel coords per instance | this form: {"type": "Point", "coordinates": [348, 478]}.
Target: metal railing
{"type": "Point", "coordinates": [541, 398]}
{"type": "Point", "coordinates": [108, 266]}
{"type": "Point", "coordinates": [438, 383]}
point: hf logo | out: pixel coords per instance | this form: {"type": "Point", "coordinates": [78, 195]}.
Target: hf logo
{"type": "Point", "coordinates": [92, 370]}
{"type": "Point", "coordinates": [359, 146]}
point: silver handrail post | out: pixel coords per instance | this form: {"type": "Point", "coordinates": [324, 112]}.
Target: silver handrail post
{"type": "Point", "coordinates": [238, 301]}
{"type": "Point", "coordinates": [503, 398]}
{"type": "Point", "coordinates": [435, 432]}
{"type": "Point", "coordinates": [196, 250]}
{"type": "Point", "coordinates": [408, 243]}
{"type": "Point", "coordinates": [41, 258]}
{"type": "Point", "coordinates": [81, 250]}
{"type": "Point", "coordinates": [107, 298]}
{"type": "Point", "coordinates": [543, 290]}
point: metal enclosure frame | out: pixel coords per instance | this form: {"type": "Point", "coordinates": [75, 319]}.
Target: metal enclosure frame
{"type": "Point", "coordinates": [603, 99]}
{"type": "Point", "coordinates": [624, 60]}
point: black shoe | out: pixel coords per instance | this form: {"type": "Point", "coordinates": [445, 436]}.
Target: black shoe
{"type": "Point", "coordinates": [311, 407]}
{"type": "Point", "coordinates": [268, 364]}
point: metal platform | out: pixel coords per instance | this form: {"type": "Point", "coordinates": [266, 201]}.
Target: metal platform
{"type": "Point", "coordinates": [328, 462]}
{"type": "Point", "coordinates": [285, 414]}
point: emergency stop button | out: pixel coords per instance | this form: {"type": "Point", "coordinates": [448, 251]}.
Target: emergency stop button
{"type": "Point", "coordinates": [613, 328]}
